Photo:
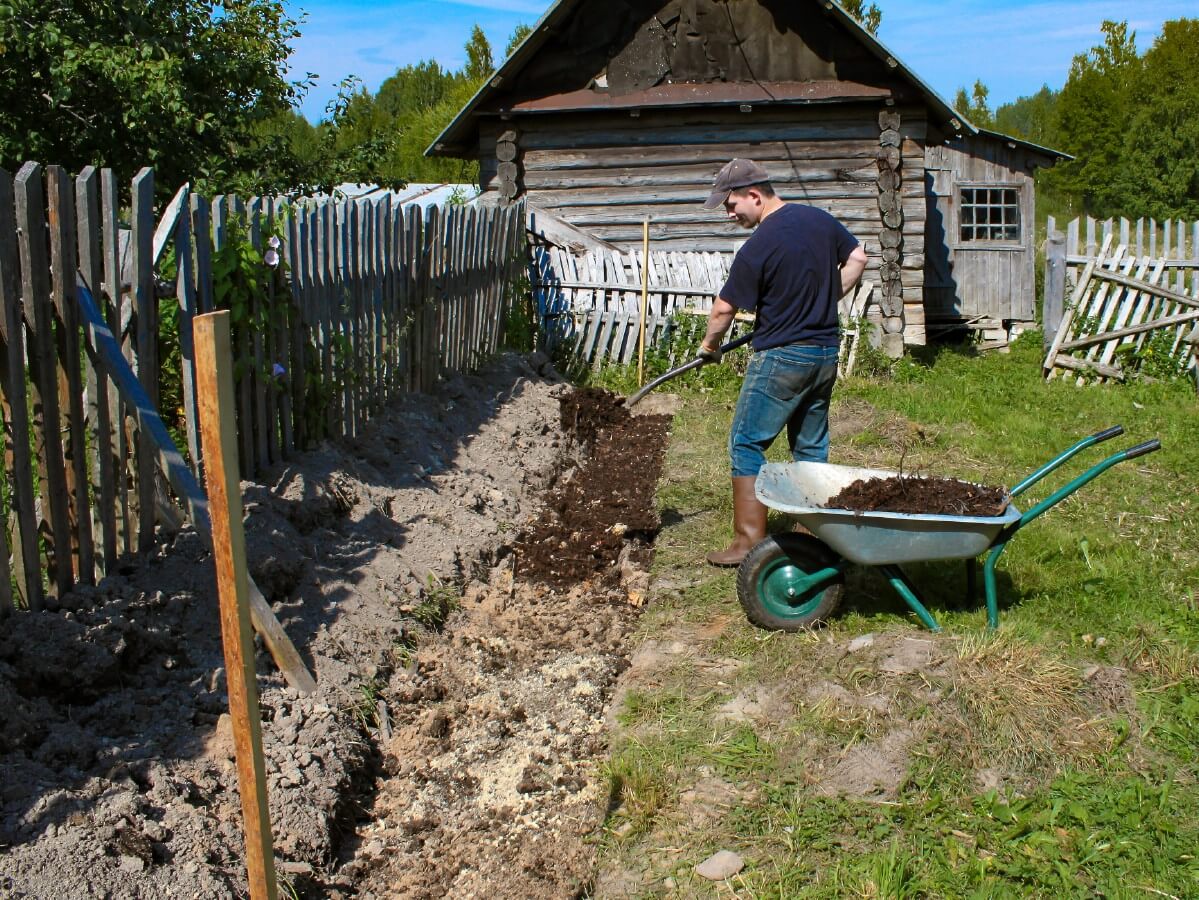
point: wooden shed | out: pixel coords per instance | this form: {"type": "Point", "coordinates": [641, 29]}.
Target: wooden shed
{"type": "Point", "coordinates": [615, 111]}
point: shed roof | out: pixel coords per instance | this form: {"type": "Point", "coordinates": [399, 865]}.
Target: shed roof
{"type": "Point", "coordinates": [1027, 145]}
{"type": "Point", "coordinates": [457, 138]}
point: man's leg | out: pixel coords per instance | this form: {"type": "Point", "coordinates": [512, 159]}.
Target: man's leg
{"type": "Point", "coordinates": [757, 421]}
{"type": "Point", "coordinates": [807, 429]}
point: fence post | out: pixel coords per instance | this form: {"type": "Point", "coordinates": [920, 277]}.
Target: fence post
{"type": "Point", "coordinates": [1055, 281]}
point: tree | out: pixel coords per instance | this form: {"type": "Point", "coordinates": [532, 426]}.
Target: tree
{"type": "Point", "coordinates": [184, 86]}
{"type": "Point", "coordinates": [478, 56]}
{"type": "Point", "coordinates": [1031, 118]}
{"type": "Point", "coordinates": [1093, 116]}
{"type": "Point", "coordinates": [518, 35]}
{"type": "Point", "coordinates": [1158, 174]}
{"type": "Point", "coordinates": [870, 16]}
{"type": "Point", "coordinates": [974, 107]}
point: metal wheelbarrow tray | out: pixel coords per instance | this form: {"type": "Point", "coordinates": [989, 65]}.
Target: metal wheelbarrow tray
{"type": "Point", "coordinates": [793, 581]}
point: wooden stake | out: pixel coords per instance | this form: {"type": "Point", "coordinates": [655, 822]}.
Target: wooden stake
{"type": "Point", "coordinates": [644, 301]}
{"type": "Point", "coordinates": [218, 429]}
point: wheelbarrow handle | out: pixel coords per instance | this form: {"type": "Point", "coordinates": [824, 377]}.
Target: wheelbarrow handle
{"type": "Point", "coordinates": [1066, 455]}
{"type": "Point", "coordinates": [1142, 449]}
{"type": "Point", "coordinates": [1048, 503]}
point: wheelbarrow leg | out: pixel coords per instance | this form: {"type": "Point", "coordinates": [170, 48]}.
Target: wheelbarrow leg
{"type": "Point", "coordinates": [971, 582]}
{"type": "Point", "coordinates": [989, 583]}
{"type": "Point", "coordinates": [904, 587]}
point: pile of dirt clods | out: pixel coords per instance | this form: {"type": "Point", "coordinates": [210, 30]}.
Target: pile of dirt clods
{"type": "Point", "coordinates": [460, 577]}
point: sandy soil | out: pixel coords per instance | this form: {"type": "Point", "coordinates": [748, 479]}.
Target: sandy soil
{"type": "Point", "coordinates": [454, 743]}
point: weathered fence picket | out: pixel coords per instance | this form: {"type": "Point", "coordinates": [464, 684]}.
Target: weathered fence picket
{"type": "Point", "coordinates": [378, 300]}
{"type": "Point", "coordinates": [1122, 306]}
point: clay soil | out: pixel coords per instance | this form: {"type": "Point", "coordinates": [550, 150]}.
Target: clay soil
{"type": "Point", "coordinates": [921, 495]}
{"type": "Point", "coordinates": [461, 579]}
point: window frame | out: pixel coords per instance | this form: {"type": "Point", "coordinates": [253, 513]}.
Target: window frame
{"type": "Point", "coordinates": [988, 243]}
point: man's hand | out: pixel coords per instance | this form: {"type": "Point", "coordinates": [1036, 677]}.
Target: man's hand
{"type": "Point", "coordinates": [709, 355]}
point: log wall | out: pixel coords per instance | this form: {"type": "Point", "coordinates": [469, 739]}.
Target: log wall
{"type": "Point", "coordinates": [608, 172]}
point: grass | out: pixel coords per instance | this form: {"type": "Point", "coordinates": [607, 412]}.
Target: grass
{"type": "Point", "coordinates": [1052, 758]}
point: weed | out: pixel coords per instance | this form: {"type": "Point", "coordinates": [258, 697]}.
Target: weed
{"type": "Point", "coordinates": [366, 709]}
{"type": "Point", "coordinates": [439, 600]}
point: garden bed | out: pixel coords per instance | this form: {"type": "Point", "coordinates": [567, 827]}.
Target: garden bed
{"type": "Point", "coordinates": [455, 741]}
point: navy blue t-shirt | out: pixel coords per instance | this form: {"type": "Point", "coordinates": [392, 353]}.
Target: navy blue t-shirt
{"type": "Point", "coordinates": [788, 272]}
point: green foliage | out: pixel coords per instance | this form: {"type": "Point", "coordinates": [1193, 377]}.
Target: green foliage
{"type": "Point", "coordinates": [870, 16]}
{"type": "Point", "coordinates": [521, 32]}
{"type": "Point", "coordinates": [1032, 118]}
{"type": "Point", "coordinates": [1131, 121]}
{"type": "Point", "coordinates": [974, 105]}
{"type": "Point", "coordinates": [479, 64]}
{"type": "Point", "coordinates": [180, 86]}
{"type": "Point", "coordinates": [520, 314]}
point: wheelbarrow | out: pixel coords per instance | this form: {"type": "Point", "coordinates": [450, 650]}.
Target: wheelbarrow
{"type": "Point", "coordinates": [793, 581]}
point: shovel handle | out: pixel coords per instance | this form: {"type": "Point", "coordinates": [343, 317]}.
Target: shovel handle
{"type": "Point", "coordinates": [694, 364]}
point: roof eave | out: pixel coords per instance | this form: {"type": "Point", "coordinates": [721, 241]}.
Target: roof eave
{"type": "Point", "coordinates": [449, 140]}
{"type": "Point", "coordinates": [1028, 145]}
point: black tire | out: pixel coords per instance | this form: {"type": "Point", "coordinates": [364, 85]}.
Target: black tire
{"type": "Point", "coordinates": [771, 573]}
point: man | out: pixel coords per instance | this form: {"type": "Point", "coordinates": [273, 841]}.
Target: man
{"type": "Point", "coordinates": [791, 272]}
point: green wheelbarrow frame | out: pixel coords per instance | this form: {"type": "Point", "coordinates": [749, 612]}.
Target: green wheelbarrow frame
{"type": "Point", "coordinates": [791, 581]}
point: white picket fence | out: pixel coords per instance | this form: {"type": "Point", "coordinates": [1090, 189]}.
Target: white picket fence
{"type": "Point", "coordinates": [595, 298]}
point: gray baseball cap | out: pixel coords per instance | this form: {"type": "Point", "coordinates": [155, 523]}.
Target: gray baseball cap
{"type": "Point", "coordinates": [737, 173]}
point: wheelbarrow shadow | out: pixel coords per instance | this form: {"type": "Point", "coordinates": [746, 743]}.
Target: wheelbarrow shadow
{"type": "Point", "coordinates": [943, 585]}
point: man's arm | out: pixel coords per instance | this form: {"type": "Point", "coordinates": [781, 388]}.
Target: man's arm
{"type": "Point", "coordinates": [852, 269]}
{"type": "Point", "coordinates": [719, 320]}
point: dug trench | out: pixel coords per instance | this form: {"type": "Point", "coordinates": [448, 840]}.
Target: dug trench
{"type": "Point", "coordinates": [461, 577]}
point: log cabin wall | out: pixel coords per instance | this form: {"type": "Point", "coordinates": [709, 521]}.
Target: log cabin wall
{"type": "Point", "coordinates": [989, 277]}
{"type": "Point", "coordinates": [606, 172]}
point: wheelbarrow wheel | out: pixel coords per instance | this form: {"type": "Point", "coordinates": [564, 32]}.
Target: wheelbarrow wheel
{"type": "Point", "coordinates": [775, 583]}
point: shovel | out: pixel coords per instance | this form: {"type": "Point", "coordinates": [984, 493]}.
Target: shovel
{"type": "Point", "coordinates": [694, 364]}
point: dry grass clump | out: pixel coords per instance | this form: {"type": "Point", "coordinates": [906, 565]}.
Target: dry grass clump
{"type": "Point", "coordinates": [1019, 707]}
{"type": "Point", "coordinates": [1162, 658]}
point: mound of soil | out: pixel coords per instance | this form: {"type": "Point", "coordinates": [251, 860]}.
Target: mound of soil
{"type": "Point", "coordinates": [606, 507]}
{"type": "Point", "coordinates": [921, 495]}
{"type": "Point", "coordinates": [453, 745]}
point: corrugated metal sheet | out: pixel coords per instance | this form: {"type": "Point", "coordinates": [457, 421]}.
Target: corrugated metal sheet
{"type": "Point", "coordinates": [422, 195]}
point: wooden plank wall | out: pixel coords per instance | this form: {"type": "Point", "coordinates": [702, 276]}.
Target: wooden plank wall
{"type": "Point", "coordinates": [605, 173]}
{"type": "Point", "coordinates": [986, 283]}
{"type": "Point", "coordinates": [359, 302]}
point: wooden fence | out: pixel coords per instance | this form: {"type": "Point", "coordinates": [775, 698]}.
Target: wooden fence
{"type": "Point", "coordinates": [1121, 296]}
{"type": "Point", "coordinates": [594, 298]}
{"type": "Point", "coordinates": [363, 301]}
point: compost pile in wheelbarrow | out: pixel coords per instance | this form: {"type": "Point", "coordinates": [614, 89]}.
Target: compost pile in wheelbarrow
{"type": "Point", "coordinates": [919, 494]}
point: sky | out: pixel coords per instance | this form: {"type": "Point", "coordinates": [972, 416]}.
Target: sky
{"type": "Point", "coordinates": [1013, 46]}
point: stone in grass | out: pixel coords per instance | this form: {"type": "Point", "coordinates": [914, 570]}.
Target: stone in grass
{"type": "Point", "coordinates": [720, 865]}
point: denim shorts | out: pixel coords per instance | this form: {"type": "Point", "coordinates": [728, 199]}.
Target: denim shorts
{"type": "Point", "coordinates": [785, 387]}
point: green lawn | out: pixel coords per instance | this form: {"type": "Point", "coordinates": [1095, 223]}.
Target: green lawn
{"type": "Point", "coordinates": [1054, 758]}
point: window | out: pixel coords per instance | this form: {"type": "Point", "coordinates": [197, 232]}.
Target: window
{"type": "Point", "coordinates": [990, 214]}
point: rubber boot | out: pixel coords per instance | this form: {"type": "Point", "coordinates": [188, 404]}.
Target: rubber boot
{"type": "Point", "coordinates": [749, 523]}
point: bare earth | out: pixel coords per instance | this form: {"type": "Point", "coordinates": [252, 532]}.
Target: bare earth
{"type": "Point", "coordinates": [454, 745]}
